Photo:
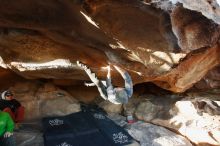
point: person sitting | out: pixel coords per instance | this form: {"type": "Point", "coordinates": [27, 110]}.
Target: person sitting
{"type": "Point", "coordinates": [6, 130]}
{"type": "Point", "coordinates": [116, 95]}
{"type": "Point", "coordinates": [12, 106]}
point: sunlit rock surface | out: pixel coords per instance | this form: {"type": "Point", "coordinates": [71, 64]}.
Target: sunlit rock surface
{"type": "Point", "coordinates": [45, 39]}
{"type": "Point", "coordinates": [195, 115]}
{"type": "Point", "coordinates": [198, 119]}
{"type": "Point", "coordinates": [152, 135]}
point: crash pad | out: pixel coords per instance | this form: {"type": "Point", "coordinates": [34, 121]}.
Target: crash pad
{"type": "Point", "coordinates": [85, 128]}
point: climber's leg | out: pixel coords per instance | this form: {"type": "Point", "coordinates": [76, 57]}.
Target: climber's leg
{"type": "Point", "coordinates": [128, 80]}
{"type": "Point", "coordinates": [128, 84]}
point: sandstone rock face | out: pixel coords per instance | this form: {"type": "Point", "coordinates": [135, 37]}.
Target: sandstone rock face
{"type": "Point", "coordinates": [198, 117]}
{"type": "Point", "coordinates": [42, 100]}
{"type": "Point", "coordinates": [151, 135]}
{"type": "Point", "coordinates": [45, 39]}
{"type": "Point", "coordinates": [83, 94]}
{"type": "Point", "coordinates": [211, 80]}
{"type": "Point", "coordinates": [110, 107]}
{"type": "Point", "coordinates": [8, 78]}
{"type": "Point", "coordinates": [195, 116]}
{"type": "Point", "coordinates": [190, 70]}
{"type": "Point", "coordinates": [193, 30]}
{"type": "Point", "coordinates": [209, 8]}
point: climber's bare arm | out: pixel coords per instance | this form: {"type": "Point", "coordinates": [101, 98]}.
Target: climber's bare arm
{"type": "Point", "coordinates": [108, 68]}
{"type": "Point", "coordinates": [89, 84]}
{"type": "Point", "coordinates": [109, 72]}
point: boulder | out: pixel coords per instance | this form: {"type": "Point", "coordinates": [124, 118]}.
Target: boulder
{"type": "Point", "coordinates": [152, 135]}
{"type": "Point", "coordinates": [44, 99]}
{"type": "Point", "coordinates": [195, 116]}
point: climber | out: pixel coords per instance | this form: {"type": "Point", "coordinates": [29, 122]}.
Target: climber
{"type": "Point", "coordinates": [12, 106]}
{"type": "Point", "coordinates": [107, 91]}
{"type": "Point", "coordinates": [6, 130]}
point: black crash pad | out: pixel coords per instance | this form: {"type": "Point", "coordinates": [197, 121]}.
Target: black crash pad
{"type": "Point", "coordinates": [87, 128]}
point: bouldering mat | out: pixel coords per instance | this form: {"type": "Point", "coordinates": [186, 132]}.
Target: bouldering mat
{"type": "Point", "coordinates": [86, 128]}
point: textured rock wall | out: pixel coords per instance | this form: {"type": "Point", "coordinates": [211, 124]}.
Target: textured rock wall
{"type": "Point", "coordinates": [162, 42]}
